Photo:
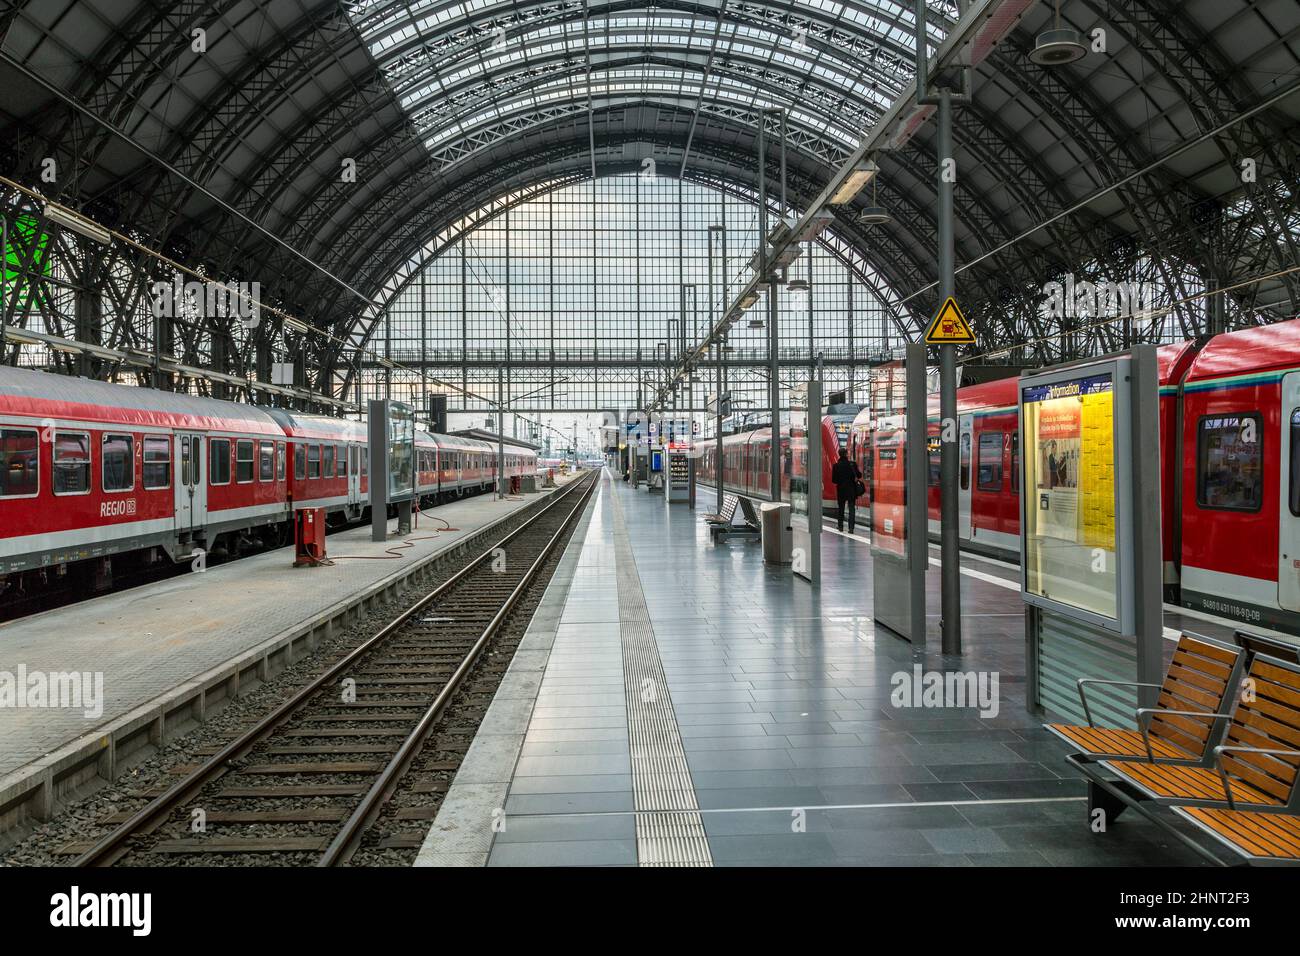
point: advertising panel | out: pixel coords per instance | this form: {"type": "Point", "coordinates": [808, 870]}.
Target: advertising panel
{"type": "Point", "coordinates": [401, 451]}
{"type": "Point", "coordinates": [889, 496]}
{"type": "Point", "coordinates": [796, 463]}
{"type": "Point", "coordinates": [1070, 503]}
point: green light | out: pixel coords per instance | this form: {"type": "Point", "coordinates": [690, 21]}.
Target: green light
{"type": "Point", "coordinates": [22, 233]}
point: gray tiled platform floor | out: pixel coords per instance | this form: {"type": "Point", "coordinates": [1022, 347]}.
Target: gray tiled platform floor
{"type": "Point", "coordinates": [150, 639]}
{"type": "Point", "coordinates": [782, 697]}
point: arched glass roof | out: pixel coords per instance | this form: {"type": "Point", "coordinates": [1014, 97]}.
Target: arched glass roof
{"type": "Point", "coordinates": [460, 68]}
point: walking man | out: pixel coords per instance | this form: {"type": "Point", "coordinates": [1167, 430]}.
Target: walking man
{"type": "Point", "coordinates": [846, 476]}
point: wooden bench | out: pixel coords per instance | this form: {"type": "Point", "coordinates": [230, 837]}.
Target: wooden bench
{"type": "Point", "coordinates": [1255, 766]}
{"type": "Point", "coordinates": [1186, 720]}
{"type": "Point", "coordinates": [1247, 798]}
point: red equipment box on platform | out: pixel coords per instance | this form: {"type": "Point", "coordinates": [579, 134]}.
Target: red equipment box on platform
{"type": "Point", "coordinates": [308, 536]}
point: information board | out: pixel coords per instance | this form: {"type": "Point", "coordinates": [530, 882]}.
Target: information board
{"type": "Point", "coordinates": [1071, 502]}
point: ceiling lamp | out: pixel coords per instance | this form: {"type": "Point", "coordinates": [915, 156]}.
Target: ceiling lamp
{"type": "Point", "coordinates": [875, 214]}
{"type": "Point", "coordinates": [797, 285]}
{"type": "Point", "coordinates": [68, 219]}
{"type": "Point", "coordinates": [748, 300]}
{"type": "Point", "coordinates": [862, 173]}
{"type": "Point", "coordinates": [755, 323]}
{"type": "Point", "coordinates": [1058, 46]}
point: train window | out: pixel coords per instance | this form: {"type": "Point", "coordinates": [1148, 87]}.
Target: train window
{"type": "Point", "coordinates": [965, 461]}
{"type": "Point", "coordinates": [300, 462]}
{"type": "Point", "coordinates": [342, 460]}
{"type": "Point", "coordinates": [19, 463]}
{"type": "Point", "coordinates": [118, 462]}
{"type": "Point", "coordinates": [1015, 462]}
{"type": "Point", "coordinates": [219, 461]}
{"type": "Point", "coordinates": [279, 461]}
{"type": "Point", "coordinates": [157, 462]}
{"type": "Point", "coordinates": [1293, 486]}
{"type": "Point", "coordinates": [71, 463]}
{"type": "Point", "coordinates": [313, 461]}
{"type": "Point", "coordinates": [243, 461]}
{"type": "Point", "coordinates": [327, 461]}
{"type": "Point", "coordinates": [266, 461]}
{"type": "Point", "coordinates": [1229, 462]}
{"type": "Point", "coordinates": [989, 477]}
{"type": "Point", "coordinates": [365, 461]}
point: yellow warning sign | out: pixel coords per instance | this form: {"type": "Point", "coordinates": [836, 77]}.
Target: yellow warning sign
{"type": "Point", "coordinates": [949, 326]}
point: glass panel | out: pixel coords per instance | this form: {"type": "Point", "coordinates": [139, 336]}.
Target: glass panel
{"type": "Point", "coordinates": [219, 470]}
{"type": "Point", "coordinates": [1070, 534]}
{"type": "Point", "coordinates": [19, 463]}
{"type": "Point", "coordinates": [266, 461]}
{"type": "Point", "coordinates": [157, 462]}
{"type": "Point", "coordinates": [1294, 489]}
{"type": "Point", "coordinates": [1015, 462]}
{"type": "Point", "coordinates": [71, 463]}
{"type": "Point", "coordinates": [1229, 462]}
{"type": "Point", "coordinates": [965, 461]}
{"type": "Point", "coordinates": [118, 462]}
{"type": "Point", "coordinates": [990, 462]}
{"type": "Point", "coordinates": [243, 461]}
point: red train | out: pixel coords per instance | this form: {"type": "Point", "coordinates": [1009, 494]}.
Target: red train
{"type": "Point", "coordinates": [1230, 506]}
{"type": "Point", "coordinates": [746, 458]}
{"type": "Point", "coordinates": [90, 470]}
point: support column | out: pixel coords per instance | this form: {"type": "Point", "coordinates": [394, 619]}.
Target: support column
{"type": "Point", "coordinates": [89, 314]}
{"type": "Point", "coordinates": [950, 587]}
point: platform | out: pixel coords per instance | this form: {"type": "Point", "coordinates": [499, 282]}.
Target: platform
{"type": "Point", "coordinates": [760, 718]}
{"type": "Point", "coordinates": [169, 649]}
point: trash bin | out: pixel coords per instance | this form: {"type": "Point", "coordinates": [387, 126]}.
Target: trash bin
{"type": "Point", "coordinates": [777, 535]}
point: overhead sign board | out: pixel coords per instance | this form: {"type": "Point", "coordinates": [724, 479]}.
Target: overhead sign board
{"type": "Point", "coordinates": [949, 326]}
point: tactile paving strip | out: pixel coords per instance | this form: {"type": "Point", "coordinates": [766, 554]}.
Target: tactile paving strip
{"type": "Point", "coordinates": [669, 830]}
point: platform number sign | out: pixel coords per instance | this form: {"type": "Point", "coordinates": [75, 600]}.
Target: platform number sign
{"type": "Point", "coordinates": [949, 326]}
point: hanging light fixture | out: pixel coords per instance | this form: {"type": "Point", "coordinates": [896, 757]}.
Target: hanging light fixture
{"type": "Point", "coordinates": [1058, 46]}
{"type": "Point", "coordinates": [875, 214]}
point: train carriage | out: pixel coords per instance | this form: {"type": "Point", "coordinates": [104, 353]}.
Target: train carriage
{"type": "Point", "coordinates": [746, 458]}
{"type": "Point", "coordinates": [89, 470]}
{"type": "Point", "coordinates": [1239, 480]}
{"type": "Point", "coordinates": [330, 465]}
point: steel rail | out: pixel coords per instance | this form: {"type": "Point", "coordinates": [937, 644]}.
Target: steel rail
{"type": "Point", "coordinates": [113, 845]}
{"type": "Point", "coordinates": [348, 839]}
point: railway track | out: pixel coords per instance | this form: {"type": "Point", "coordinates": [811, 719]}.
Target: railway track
{"type": "Point", "coordinates": [306, 783]}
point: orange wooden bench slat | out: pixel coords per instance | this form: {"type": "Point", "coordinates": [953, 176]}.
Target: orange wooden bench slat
{"type": "Point", "coordinates": [1125, 743]}
{"type": "Point", "coordinates": [1273, 835]}
{"type": "Point", "coordinates": [1190, 783]}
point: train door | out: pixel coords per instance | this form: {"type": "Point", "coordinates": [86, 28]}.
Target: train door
{"type": "Point", "coordinates": [1288, 570]}
{"type": "Point", "coordinates": [965, 438]}
{"type": "Point", "coordinates": [191, 489]}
